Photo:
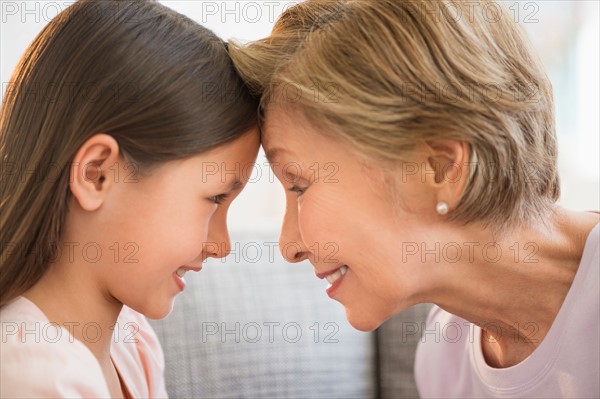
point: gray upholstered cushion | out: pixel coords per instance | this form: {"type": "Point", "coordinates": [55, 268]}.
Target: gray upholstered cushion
{"type": "Point", "coordinates": [397, 340]}
{"type": "Point", "coordinates": [248, 294]}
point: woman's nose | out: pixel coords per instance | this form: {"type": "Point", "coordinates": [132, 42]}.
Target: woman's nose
{"type": "Point", "coordinates": [291, 244]}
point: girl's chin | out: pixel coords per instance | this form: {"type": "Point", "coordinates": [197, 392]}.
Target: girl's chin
{"type": "Point", "coordinates": [157, 311]}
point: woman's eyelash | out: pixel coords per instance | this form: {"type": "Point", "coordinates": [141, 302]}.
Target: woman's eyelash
{"type": "Point", "coordinates": [298, 190]}
{"type": "Point", "coordinates": [219, 199]}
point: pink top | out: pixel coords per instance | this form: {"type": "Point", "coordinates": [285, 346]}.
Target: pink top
{"type": "Point", "coordinates": [450, 363]}
{"type": "Point", "coordinates": [38, 359]}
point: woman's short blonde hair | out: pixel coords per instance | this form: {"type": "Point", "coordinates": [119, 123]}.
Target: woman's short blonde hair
{"type": "Point", "coordinates": [385, 75]}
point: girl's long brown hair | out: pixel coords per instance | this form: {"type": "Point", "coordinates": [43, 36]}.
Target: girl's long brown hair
{"type": "Point", "coordinates": [162, 85]}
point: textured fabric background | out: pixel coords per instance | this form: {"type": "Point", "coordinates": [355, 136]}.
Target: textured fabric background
{"type": "Point", "coordinates": [222, 340]}
{"type": "Point", "coordinates": [397, 341]}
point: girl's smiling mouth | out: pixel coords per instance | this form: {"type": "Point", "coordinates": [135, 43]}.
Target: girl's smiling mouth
{"type": "Point", "coordinates": [180, 272]}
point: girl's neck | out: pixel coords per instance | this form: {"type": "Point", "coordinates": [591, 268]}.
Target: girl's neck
{"type": "Point", "coordinates": [68, 295]}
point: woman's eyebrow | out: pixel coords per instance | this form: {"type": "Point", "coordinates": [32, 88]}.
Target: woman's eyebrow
{"type": "Point", "coordinates": [273, 153]}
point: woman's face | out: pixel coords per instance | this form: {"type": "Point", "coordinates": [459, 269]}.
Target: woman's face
{"type": "Point", "coordinates": [338, 212]}
{"type": "Point", "coordinates": [150, 228]}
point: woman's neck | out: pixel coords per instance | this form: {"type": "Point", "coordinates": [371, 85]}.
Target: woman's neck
{"type": "Point", "coordinates": [513, 286]}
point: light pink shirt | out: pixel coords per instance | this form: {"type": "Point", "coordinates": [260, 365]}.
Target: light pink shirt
{"type": "Point", "coordinates": [450, 363]}
{"type": "Point", "coordinates": [41, 360]}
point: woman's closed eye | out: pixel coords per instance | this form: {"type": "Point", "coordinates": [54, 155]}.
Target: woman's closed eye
{"type": "Point", "coordinates": [219, 199]}
{"type": "Point", "coordinates": [298, 190]}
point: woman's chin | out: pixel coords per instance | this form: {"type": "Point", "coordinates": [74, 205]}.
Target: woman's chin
{"type": "Point", "coordinates": [361, 321]}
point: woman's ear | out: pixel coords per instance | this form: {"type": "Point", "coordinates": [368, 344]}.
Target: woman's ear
{"type": "Point", "coordinates": [449, 160]}
{"type": "Point", "coordinates": [92, 170]}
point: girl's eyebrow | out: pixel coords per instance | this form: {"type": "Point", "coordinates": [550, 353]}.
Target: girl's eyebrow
{"type": "Point", "coordinates": [235, 185]}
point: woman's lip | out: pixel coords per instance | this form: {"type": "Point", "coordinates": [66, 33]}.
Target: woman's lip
{"type": "Point", "coordinates": [334, 287]}
{"type": "Point", "coordinates": [325, 274]}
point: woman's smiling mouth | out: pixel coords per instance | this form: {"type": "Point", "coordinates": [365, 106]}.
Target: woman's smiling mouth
{"type": "Point", "coordinates": [334, 278]}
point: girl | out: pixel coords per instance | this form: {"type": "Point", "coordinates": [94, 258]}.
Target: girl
{"type": "Point", "coordinates": [114, 116]}
{"type": "Point", "coordinates": [425, 170]}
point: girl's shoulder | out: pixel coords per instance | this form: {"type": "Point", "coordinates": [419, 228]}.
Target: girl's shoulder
{"type": "Point", "coordinates": [138, 355]}
{"type": "Point", "coordinates": [133, 333]}
{"type": "Point", "coordinates": [42, 359]}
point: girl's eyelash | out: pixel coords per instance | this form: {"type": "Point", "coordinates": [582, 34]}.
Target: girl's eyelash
{"type": "Point", "coordinates": [219, 199]}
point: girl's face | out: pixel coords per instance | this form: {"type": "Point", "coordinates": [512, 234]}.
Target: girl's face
{"type": "Point", "coordinates": [151, 228]}
{"type": "Point", "coordinates": [338, 215]}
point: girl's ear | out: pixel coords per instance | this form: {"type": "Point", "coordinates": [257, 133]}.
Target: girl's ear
{"type": "Point", "coordinates": [450, 161]}
{"type": "Point", "coordinates": [92, 170]}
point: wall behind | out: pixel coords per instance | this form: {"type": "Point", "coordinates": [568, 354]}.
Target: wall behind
{"type": "Point", "coordinates": [565, 33]}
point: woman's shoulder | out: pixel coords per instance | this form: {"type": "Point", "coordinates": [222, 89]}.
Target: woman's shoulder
{"type": "Point", "coordinates": [42, 359]}
{"type": "Point", "coordinates": [438, 316]}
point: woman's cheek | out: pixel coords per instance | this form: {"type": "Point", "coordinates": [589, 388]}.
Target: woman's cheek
{"type": "Point", "coordinates": [312, 221]}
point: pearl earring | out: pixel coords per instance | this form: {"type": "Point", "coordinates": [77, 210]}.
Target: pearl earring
{"type": "Point", "coordinates": [442, 208]}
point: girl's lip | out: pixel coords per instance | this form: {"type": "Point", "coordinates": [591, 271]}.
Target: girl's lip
{"type": "Point", "coordinates": [179, 281]}
{"type": "Point", "coordinates": [193, 268]}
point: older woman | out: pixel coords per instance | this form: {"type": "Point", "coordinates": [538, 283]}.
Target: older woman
{"type": "Point", "coordinates": [416, 142]}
